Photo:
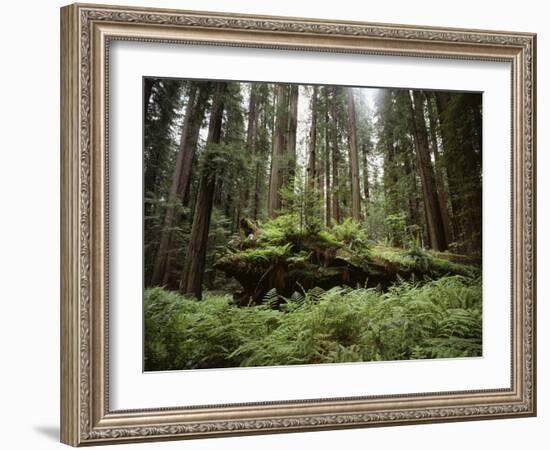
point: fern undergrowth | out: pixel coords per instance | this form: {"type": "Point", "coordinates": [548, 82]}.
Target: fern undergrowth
{"type": "Point", "coordinates": [412, 320]}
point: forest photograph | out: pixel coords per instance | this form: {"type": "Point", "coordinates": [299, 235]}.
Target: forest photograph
{"type": "Point", "coordinates": [293, 224]}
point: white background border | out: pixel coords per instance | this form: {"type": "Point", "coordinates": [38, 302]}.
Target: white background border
{"type": "Point", "coordinates": [130, 388]}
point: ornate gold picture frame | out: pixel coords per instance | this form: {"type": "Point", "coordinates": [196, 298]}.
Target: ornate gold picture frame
{"type": "Point", "coordinates": [87, 31]}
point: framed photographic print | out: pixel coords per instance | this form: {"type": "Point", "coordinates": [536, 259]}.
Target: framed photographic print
{"type": "Point", "coordinates": [274, 224]}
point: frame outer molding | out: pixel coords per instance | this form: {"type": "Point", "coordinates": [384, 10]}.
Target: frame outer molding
{"type": "Point", "coordinates": [85, 33]}
{"type": "Point", "coordinates": [70, 243]}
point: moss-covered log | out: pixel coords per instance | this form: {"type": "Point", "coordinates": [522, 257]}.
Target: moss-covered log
{"type": "Point", "coordinates": [295, 261]}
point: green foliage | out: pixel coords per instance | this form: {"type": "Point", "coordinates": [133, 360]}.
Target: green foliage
{"type": "Point", "coordinates": [278, 230]}
{"type": "Point", "coordinates": [286, 229]}
{"type": "Point", "coordinates": [425, 261]}
{"type": "Point", "coordinates": [396, 227]}
{"type": "Point", "coordinates": [328, 239]}
{"type": "Point", "coordinates": [161, 134]}
{"type": "Point", "coordinates": [224, 161]}
{"type": "Point", "coordinates": [181, 333]}
{"type": "Point", "coordinates": [258, 255]}
{"type": "Point", "coordinates": [351, 234]}
{"type": "Point", "coordinates": [218, 235]}
{"type": "Point", "coordinates": [302, 203]}
{"type": "Point", "coordinates": [411, 320]}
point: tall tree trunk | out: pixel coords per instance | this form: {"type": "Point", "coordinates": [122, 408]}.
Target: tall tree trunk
{"type": "Point", "coordinates": [353, 158]}
{"type": "Point", "coordinates": [258, 181]}
{"type": "Point", "coordinates": [251, 134]}
{"type": "Point", "coordinates": [476, 221]}
{"type": "Point", "coordinates": [364, 152]}
{"type": "Point", "coordinates": [462, 155]}
{"type": "Point", "coordinates": [429, 191]}
{"type": "Point", "coordinates": [292, 127]}
{"type": "Point", "coordinates": [328, 209]}
{"type": "Point", "coordinates": [205, 91]}
{"type": "Point", "coordinates": [412, 188]}
{"type": "Point", "coordinates": [442, 101]}
{"type": "Point", "coordinates": [278, 166]}
{"type": "Point", "coordinates": [182, 176]}
{"type": "Point", "coordinates": [161, 256]}
{"type": "Point", "coordinates": [335, 157]}
{"type": "Point", "coordinates": [272, 152]}
{"type": "Point", "coordinates": [193, 267]}
{"type": "Point", "coordinates": [439, 179]}
{"type": "Point", "coordinates": [311, 164]}
{"type": "Point", "coordinates": [321, 161]}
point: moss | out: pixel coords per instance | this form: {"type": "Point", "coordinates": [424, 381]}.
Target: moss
{"type": "Point", "coordinates": [428, 262]}
{"type": "Point", "coordinates": [285, 256]}
{"type": "Point", "coordinates": [468, 260]}
{"type": "Point", "coordinates": [256, 255]}
{"type": "Point", "coordinates": [445, 267]}
{"type": "Point", "coordinates": [392, 255]}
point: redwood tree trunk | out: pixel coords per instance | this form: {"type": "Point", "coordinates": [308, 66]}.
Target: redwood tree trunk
{"type": "Point", "coordinates": [328, 209]}
{"type": "Point", "coordinates": [311, 164]}
{"type": "Point", "coordinates": [292, 127]}
{"type": "Point", "coordinates": [161, 256]}
{"type": "Point", "coordinates": [353, 158]}
{"type": "Point", "coordinates": [258, 180]}
{"type": "Point", "coordinates": [179, 191]}
{"type": "Point", "coordinates": [278, 165]}
{"type": "Point", "coordinates": [195, 258]}
{"type": "Point", "coordinates": [251, 134]}
{"type": "Point", "coordinates": [454, 173]}
{"type": "Point", "coordinates": [412, 189]}
{"type": "Point", "coordinates": [436, 232]}
{"type": "Point", "coordinates": [439, 179]}
{"type": "Point", "coordinates": [335, 157]}
{"type": "Point", "coordinates": [365, 178]}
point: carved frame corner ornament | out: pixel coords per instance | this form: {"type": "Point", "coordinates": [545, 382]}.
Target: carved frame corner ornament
{"type": "Point", "coordinates": [86, 31]}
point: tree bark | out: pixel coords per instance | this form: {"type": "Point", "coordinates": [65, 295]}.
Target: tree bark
{"type": "Point", "coordinates": [335, 157]}
{"type": "Point", "coordinates": [439, 179]}
{"type": "Point", "coordinates": [292, 127]}
{"type": "Point", "coordinates": [197, 119]}
{"type": "Point", "coordinates": [311, 165]}
{"type": "Point", "coordinates": [258, 181]}
{"type": "Point", "coordinates": [433, 215]}
{"type": "Point", "coordinates": [194, 115]}
{"type": "Point", "coordinates": [461, 139]}
{"type": "Point", "coordinates": [278, 165]}
{"type": "Point", "coordinates": [161, 256]}
{"type": "Point", "coordinates": [251, 134]}
{"type": "Point", "coordinates": [365, 177]}
{"type": "Point", "coordinates": [412, 190]}
{"type": "Point", "coordinates": [328, 209]}
{"type": "Point", "coordinates": [452, 170]}
{"type": "Point", "coordinates": [353, 158]}
{"type": "Point", "coordinates": [193, 268]}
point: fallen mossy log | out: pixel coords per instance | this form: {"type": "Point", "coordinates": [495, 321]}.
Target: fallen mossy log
{"type": "Point", "coordinates": [306, 261]}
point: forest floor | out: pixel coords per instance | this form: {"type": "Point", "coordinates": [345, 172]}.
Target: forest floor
{"type": "Point", "coordinates": [411, 320]}
{"type": "Point", "coordinates": [312, 297]}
